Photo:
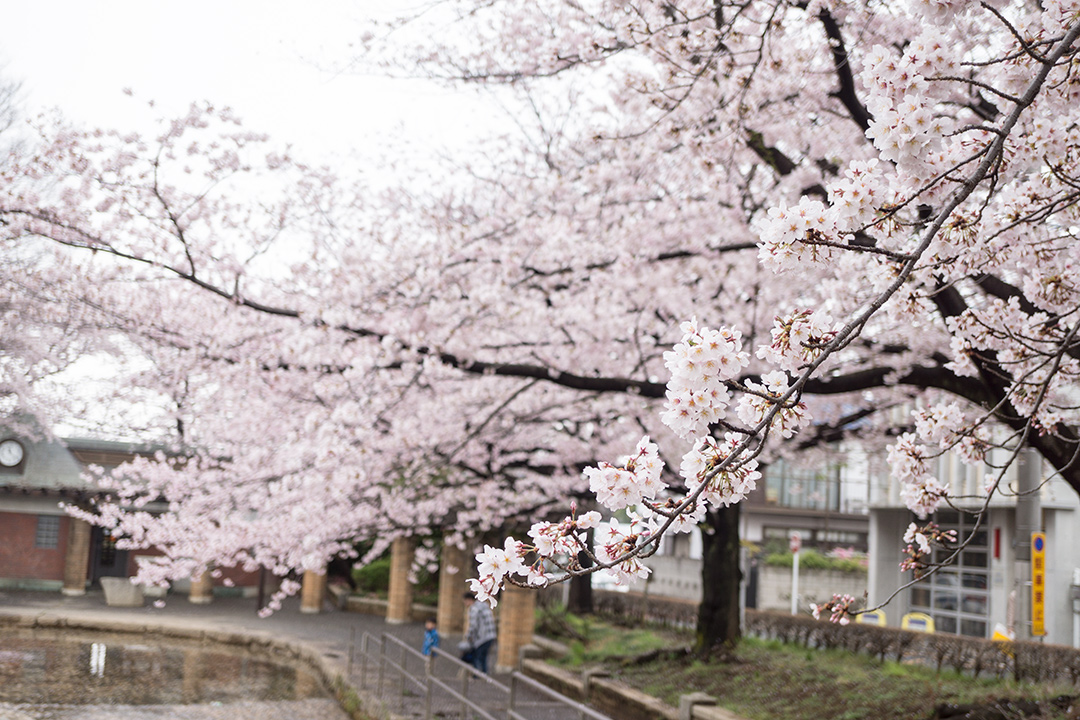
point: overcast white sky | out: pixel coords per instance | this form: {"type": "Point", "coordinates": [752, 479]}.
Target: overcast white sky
{"type": "Point", "coordinates": [270, 60]}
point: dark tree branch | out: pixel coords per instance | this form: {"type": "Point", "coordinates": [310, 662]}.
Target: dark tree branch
{"type": "Point", "coordinates": [846, 94]}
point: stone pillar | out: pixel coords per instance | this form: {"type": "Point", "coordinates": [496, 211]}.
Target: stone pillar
{"type": "Point", "coordinates": [312, 592]}
{"type": "Point", "coordinates": [517, 617]}
{"type": "Point", "coordinates": [399, 608]}
{"type": "Point", "coordinates": [452, 587]}
{"type": "Point", "coordinates": [202, 589]}
{"type": "Point", "coordinates": [191, 676]}
{"type": "Point", "coordinates": [76, 557]}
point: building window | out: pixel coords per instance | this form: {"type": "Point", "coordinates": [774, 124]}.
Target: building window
{"type": "Point", "coordinates": [47, 536]}
{"type": "Point", "coordinates": [958, 597]}
{"type": "Point", "coordinates": [788, 485]}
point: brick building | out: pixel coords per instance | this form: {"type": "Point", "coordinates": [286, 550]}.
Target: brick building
{"type": "Point", "coordinates": [41, 546]}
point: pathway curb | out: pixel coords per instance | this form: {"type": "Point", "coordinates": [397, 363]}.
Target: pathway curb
{"type": "Point", "coordinates": [329, 670]}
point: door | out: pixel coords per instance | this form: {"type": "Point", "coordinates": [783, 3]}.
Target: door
{"type": "Point", "coordinates": [106, 560]}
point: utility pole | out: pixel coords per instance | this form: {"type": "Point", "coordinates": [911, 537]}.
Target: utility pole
{"type": "Point", "coordinates": [1028, 521]}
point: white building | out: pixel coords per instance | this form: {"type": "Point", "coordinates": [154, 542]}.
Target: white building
{"type": "Point", "coordinates": [827, 506]}
{"type": "Point", "coordinates": [980, 590]}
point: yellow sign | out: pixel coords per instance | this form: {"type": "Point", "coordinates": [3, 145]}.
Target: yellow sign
{"type": "Point", "coordinates": [917, 621]}
{"type": "Point", "coordinates": [1038, 583]}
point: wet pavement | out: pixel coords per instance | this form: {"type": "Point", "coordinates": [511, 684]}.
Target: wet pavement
{"type": "Point", "coordinates": [324, 709]}
{"type": "Point", "coordinates": [328, 634]}
{"type": "Point", "coordinates": [336, 637]}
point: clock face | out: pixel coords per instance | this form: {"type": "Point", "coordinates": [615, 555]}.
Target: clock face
{"type": "Point", "coordinates": [11, 453]}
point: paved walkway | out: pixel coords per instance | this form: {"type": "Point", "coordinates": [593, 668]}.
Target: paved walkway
{"type": "Point", "coordinates": [329, 634]}
{"type": "Point", "coordinates": [329, 631]}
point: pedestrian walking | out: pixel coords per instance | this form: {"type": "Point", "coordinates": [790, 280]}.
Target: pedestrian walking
{"type": "Point", "coordinates": [480, 634]}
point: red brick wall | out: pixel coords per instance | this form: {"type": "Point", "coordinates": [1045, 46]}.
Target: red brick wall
{"type": "Point", "coordinates": [19, 559]}
{"type": "Point", "coordinates": [238, 576]}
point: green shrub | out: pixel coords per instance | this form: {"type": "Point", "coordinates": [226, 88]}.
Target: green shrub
{"type": "Point", "coordinates": [813, 560]}
{"type": "Point", "coordinates": [373, 577]}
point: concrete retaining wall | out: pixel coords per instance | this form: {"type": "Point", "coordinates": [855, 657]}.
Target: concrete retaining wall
{"type": "Point", "coordinates": [774, 586]}
{"type": "Point", "coordinates": [332, 674]}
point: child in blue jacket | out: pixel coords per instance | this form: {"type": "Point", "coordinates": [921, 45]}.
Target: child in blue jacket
{"type": "Point", "coordinates": [431, 636]}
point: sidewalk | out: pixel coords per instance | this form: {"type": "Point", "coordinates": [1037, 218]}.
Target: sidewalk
{"type": "Point", "coordinates": [325, 636]}
{"type": "Point", "coordinates": [328, 631]}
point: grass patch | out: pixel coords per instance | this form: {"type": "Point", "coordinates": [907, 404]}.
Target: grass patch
{"type": "Point", "coordinates": [592, 641]}
{"type": "Point", "coordinates": [769, 680]}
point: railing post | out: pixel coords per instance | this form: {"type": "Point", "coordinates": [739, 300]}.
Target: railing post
{"type": "Point", "coordinates": [465, 693]}
{"type": "Point", "coordinates": [363, 658]}
{"type": "Point", "coordinates": [365, 642]}
{"type": "Point", "coordinates": [352, 649]}
{"type": "Point", "coordinates": [404, 675]}
{"type": "Point", "coordinates": [382, 664]}
{"type": "Point", "coordinates": [428, 685]}
{"type": "Point", "coordinates": [513, 695]}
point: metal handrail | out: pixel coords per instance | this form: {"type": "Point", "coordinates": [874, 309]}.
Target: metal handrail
{"type": "Point", "coordinates": [468, 671]}
{"type": "Point", "coordinates": [583, 711]}
{"type": "Point", "coordinates": [401, 667]}
{"type": "Point", "coordinates": [429, 681]}
{"type": "Point", "coordinates": [462, 665]}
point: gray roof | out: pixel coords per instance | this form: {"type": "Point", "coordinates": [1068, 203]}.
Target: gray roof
{"type": "Point", "coordinates": [49, 465]}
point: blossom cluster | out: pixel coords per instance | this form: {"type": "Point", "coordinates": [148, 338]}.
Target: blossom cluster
{"type": "Point", "coordinates": [798, 339]}
{"type": "Point", "coordinates": [946, 426]}
{"type": "Point", "coordinates": [549, 540]}
{"type": "Point", "coordinates": [754, 406]}
{"type": "Point", "coordinates": [700, 364]}
{"type": "Point", "coordinates": [287, 588]}
{"type": "Point", "coordinates": [855, 198]}
{"type": "Point", "coordinates": [722, 487]}
{"type": "Point", "coordinates": [620, 487]}
{"type": "Point", "coordinates": [1027, 343]}
{"type": "Point", "coordinates": [794, 236]}
{"type": "Point", "coordinates": [494, 565]}
{"type": "Point", "coordinates": [920, 543]}
{"type": "Point", "coordinates": [619, 542]}
{"type": "Point", "coordinates": [839, 609]}
{"type": "Point", "coordinates": [921, 491]}
{"type": "Point", "coordinates": [943, 425]}
{"type": "Point", "coordinates": [906, 129]}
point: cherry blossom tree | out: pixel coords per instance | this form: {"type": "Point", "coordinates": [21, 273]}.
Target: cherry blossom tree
{"type": "Point", "coordinates": [910, 162]}
{"type": "Point", "coordinates": [798, 212]}
{"type": "Point", "coordinates": [300, 428]}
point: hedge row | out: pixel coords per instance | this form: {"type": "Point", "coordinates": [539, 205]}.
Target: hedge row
{"type": "Point", "coordinates": [811, 559]}
{"type": "Point", "coordinates": [1031, 661]}
{"type": "Point", "coordinates": [634, 609]}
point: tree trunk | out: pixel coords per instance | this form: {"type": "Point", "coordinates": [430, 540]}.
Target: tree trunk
{"type": "Point", "coordinates": [718, 627]}
{"type": "Point", "coordinates": [580, 596]}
